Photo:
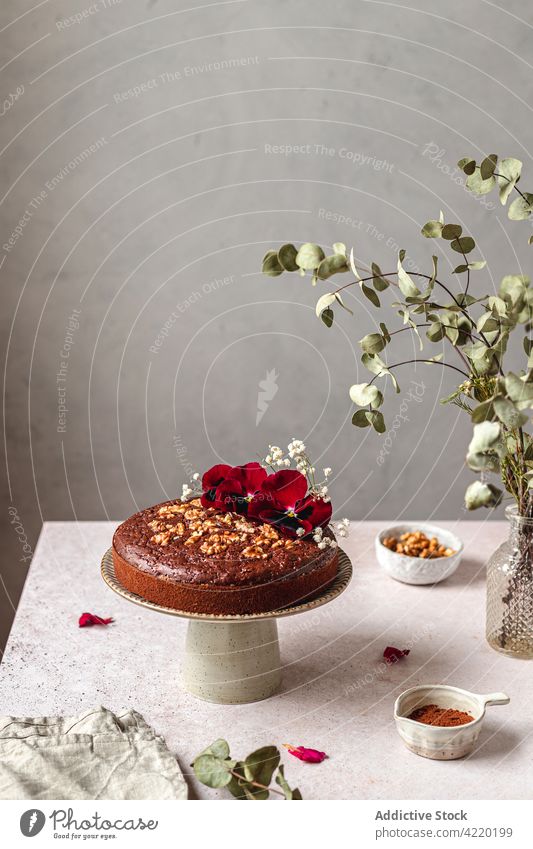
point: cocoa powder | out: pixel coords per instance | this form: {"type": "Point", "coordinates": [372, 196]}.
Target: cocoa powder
{"type": "Point", "coordinates": [434, 715]}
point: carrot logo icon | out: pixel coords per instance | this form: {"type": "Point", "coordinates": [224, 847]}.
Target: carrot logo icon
{"type": "Point", "coordinates": [32, 822]}
{"type": "Point", "coordinates": [268, 388]}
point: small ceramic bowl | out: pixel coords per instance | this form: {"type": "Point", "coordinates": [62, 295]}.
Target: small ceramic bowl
{"type": "Point", "coordinates": [438, 742]}
{"type": "Point", "coordinates": [417, 570]}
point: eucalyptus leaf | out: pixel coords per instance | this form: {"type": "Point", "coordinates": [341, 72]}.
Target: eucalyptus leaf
{"type": "Point", "coordinates": [436, 332]}
{"type": "Point", "coordinates": [521, 208]}
{"type": "Point", "coordinates": [483, 412]}
{"type": "Point", "coordinates": [260, 765]}
{"type": "Point", "coordinates": [477, 184]}
{"type": "Point", "coordinates": [376, 365]}
{"type": "Point", "coordinates": [271, 264]}
{"type": "Point", "coordinates": [220, 749]}
{"type": "Point", "coordinates": [359, 419]}
{"type": "Point", "coordinates": [372, 343]}
{"type": "Point", "coordinates": [339, 248]}
{"type": "Point", "coordinates": [467, 165]}
{"type": "Point", "coordinates": [235, 787]}
{"type": "Point", "coordinates": [487, 322]}
{"type": "Point", "coordinates": [407, 287]}
{"type": "Point", "coordinates": [519, 391]}
{"type": "Point", "coordinates": [380, 282]}
{"type": "Point", "coordinates": [513, 287]}
{"type": "Point", "coordinates": [463, 245]}
{"type": "Point", "coordinates": [327, 316]}
{"type": "Point", "coordinates": [451, 231]}
{"type": "Point", "coordinates": [508, 413]}
{"type": "Point", "coordinates": [509, 171]}
{"type": "Point", "coordinates": [385, 332]}
{"type": "Point", "coordinates": [309, 256]}
{"type": "Point", "coordinates": [287, 257]}
{"type": "Point", "coordinates": [432, 230]}
{"type": "Point", "coordinates": [488, 165]}
{"type": "Point", "coordinates": [282, 781]}
{"type": "Point", "coordinates": [324, 302]}
{"type": "Point", "coordinates": [364, 394]}
{"type": "Point", "coordinates": [212, 771]}
{"type": "Point", "coordinates": [335, 264]}
{"type": "Point", "coordinates": [370, 294]}
{"type": "Point", "coordinates": [353, 266]}
{"type": "Point", "coordinates": [376, 419]}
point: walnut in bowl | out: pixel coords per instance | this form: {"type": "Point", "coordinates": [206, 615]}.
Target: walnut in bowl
{"type": "Point", "coordinates": [418, 552]}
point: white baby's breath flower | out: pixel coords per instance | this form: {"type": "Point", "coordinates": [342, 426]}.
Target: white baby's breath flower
{"type": "Point", "coordinates": [186, 490]}
{"type": "Point", "coordinates": [296, 448]}
{"type": "Point", "coordinates": [300, 532]}
{"type": "Point", "coordinates": [268, 459]}
{"type": "Point", "coordinates": [287, 462]}
{"type": "Point", "coordinates": [333, 543]}
{"type": "Point", "coordinates": [327, 472]}
{"type": "Point", "coordinates": [196, 476]}
{"type": "Point", "coordinates": [322, 544]}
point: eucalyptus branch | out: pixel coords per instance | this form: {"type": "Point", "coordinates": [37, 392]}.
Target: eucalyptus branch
{"type": "Point", "coordinates": [429, 362]}
{"type": "Point", "coordinates": [498, 398]}
{"type": "Point", "coordinates": [255, 783]}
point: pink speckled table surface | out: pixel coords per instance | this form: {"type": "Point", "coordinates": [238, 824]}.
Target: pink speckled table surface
{"type": "Point", "coordinates": [337, 695]}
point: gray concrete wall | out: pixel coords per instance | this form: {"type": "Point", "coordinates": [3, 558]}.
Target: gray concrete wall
{"type": "Point", "coordinates": [147, 146]}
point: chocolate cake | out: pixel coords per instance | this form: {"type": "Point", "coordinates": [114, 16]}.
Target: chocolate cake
{"type": "Point", "coordinates": [203, 560]}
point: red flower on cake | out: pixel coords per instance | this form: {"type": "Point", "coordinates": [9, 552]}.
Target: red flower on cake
{"type": "Point", "coordinates": [211, 480]}
{"type": "Point", "coordinates": [235, 493]}
{"type": "Point", "coordinates": [283, 501]}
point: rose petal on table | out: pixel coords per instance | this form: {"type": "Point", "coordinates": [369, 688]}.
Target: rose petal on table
{"type": "Point", "coordinates": [87, 619]}
{"type": "Point", "coordinates": [392, 654]}
{"type": "Point", "coordinates": [310, 756]}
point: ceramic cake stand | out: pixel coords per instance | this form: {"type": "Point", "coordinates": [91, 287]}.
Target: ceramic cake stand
{"type": "Point", "coordinates": [233, 659]}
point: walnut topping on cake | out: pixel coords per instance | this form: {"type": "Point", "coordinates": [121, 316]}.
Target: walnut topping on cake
{"type": "Point", "coordinates": [214, 532]}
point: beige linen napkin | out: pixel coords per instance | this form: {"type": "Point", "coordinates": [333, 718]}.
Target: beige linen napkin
{"type": "Point", "coordinates": [96, 755]}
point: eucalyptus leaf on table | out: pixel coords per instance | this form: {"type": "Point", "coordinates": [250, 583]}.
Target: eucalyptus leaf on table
{"type": "Point", "coordinates": [249, 779]}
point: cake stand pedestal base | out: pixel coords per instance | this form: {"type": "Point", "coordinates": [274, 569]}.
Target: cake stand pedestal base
{"type": "Point", "coordinates": [232, 663]}
{"type": "Point", "coordinates": [231, 660]}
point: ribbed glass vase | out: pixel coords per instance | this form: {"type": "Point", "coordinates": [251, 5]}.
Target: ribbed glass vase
{"type": "Point", "coordinates": [510, 590]}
